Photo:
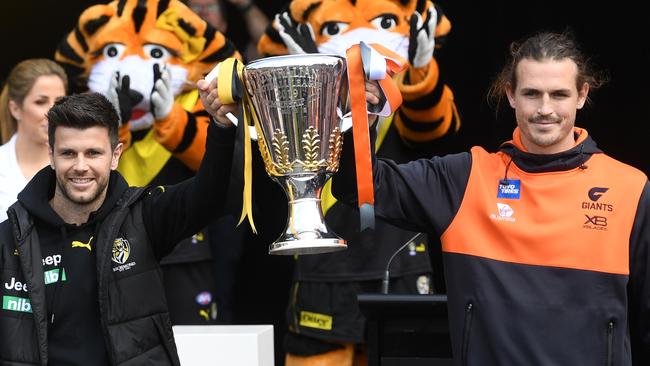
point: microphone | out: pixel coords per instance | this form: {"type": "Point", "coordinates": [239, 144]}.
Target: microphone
{"type": "Point", "coordinates": [385, 281]}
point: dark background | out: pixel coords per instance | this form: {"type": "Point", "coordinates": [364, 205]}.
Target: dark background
{"type": "Point", "coordinates": [615, 35]}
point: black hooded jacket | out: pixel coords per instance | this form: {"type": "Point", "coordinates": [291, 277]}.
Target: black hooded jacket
{"type": "Point", "coordinates": [547, 257]}
{"type": "Point", "coordinates": [93, 293]}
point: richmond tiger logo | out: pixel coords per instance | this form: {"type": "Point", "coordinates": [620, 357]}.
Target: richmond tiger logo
{"type": "Point", "coordinates": [121, 251]}
{"type": "Point", "coordinates": [138, 38]}
{"type": "Point", "coordinates": [428, 112]}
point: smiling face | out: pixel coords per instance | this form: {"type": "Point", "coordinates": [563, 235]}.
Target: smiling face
{"type": "Point", "coordinates": [82, 161]}
{"type": "Point", "coordinates": [30, 114]}
{"type": "Point", "coordinates": [546, 100]}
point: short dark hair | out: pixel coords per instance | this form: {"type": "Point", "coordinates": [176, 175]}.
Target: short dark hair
{"type": "Point", "coordinates": [546, 46]}
{"type": "Point", "coordinates": [82, 111]}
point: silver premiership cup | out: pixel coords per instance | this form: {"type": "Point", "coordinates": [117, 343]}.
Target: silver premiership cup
{"type": "Point", "coordinates": [295, 99]}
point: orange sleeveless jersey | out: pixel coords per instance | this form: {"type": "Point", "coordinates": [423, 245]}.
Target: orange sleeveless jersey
{"type": "Point", "coordinates": [578, 219]}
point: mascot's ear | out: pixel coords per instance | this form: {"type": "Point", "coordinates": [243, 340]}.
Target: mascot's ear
{"type": "Point", "coordinates": [208, 46]}
{"type": "Point", "coordinates": [443, 28]}
{"type": "Point", "coordinates": [73, 50]}
{"type": "Point", "coordinates": [271, 44]}
{"type": "Point", "coordinates": [300, 9]}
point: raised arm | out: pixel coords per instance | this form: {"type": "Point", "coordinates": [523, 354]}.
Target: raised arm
{"type": "Point", "coordinates": [422, 195]}
{"type": "Point", "coordinates": [178, 211]}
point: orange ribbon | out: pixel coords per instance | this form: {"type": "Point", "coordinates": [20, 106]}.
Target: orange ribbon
{"type": "Point", "coordinates": [360, 129]}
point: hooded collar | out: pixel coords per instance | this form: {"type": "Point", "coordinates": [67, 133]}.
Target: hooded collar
{"type": "Point", "coordinates": [573, 158]}
{"type": "Point", "coordinates": [36, 196]}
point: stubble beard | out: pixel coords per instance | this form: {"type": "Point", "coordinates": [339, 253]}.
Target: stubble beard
{"type": "Point", "coordinates": [540, 137]}
{"type": "Point", "coordinates": [70, 198]}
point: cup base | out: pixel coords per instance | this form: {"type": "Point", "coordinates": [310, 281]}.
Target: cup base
{"type": "Point", "coordinates": [307, 246]}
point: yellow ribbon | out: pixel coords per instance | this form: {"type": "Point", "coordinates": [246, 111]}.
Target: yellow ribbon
{"type": "Point", "coordinates": [192, 45]}
{"type": "Point", "coordinates": [229, 81]}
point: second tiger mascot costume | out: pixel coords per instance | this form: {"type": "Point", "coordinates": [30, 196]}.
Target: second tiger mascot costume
{"type": "Point", "coordinates": [326, 326]}
{"type": "Point", "coordinates": [145, 56]}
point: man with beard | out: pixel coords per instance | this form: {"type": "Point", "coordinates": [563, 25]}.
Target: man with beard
{"type": "Point", "coordinates": [545, 242]}
{"type": "Point", "coordinates": [81, 282]}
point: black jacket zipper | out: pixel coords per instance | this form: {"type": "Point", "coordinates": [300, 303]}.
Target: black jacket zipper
{"type": "Point", "coordinates": [468, 325]}
{"type": "Point", "coordinates": [610, 342]}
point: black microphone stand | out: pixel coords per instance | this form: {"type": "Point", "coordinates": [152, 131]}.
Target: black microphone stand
{"type": "Point", "coordinates": [385, 281]}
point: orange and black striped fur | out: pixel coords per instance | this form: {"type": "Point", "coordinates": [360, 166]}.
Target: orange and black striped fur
{"type": "Point", "coordinates": [428, 112]}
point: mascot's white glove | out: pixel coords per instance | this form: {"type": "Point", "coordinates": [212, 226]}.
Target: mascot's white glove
{"type": "Point", "coordinates": [298, 37]}
{"type": "Point", "coordinates": [422, 38]}
{"type": "Point", "coordinates": [162, 96]}
{"type": "Point", "coordinates": [119, 93]}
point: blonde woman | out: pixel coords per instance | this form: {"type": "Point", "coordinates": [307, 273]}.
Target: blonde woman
{"type": "Point", "coordinates": [30, 90]}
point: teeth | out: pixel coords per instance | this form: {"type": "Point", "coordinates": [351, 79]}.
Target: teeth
{"type": "Point", "coordinates": [81, 180]}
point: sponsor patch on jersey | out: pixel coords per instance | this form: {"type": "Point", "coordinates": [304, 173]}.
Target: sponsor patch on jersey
{"type": "Point", "coordinates": [197, 238]}
{"type": "Point", "coordinates": [315, 320]}
{"type": "Point", "coordinates": [121, 251]}
{"type": "Point", "coordinates": [52, 276]}
{"type": "Point", "coordinates": [120, 254]}
{"type": "Point", "coordinates": [204, 298]}
{"type": "Point", "coordinates": [80, 244]}
{"type": "Point", "coordinates": [415, 248]}
{"type": "Point", "coordinates": [209, 313]}
{"type": "Point", "coordinates": [509, 189]}
{"type": "Point", "coordinates": [423, 284]}
{"type": "Point", "coordinates": [13, 303]}
{"type": "Point", "coordinates": [15, 285]}
{"type": "Point", "coordinates": [504, 213]}
{"type": "Point", "coordinates": [596, 192]}
{"type": "Point", "coordinates": [595, 222]}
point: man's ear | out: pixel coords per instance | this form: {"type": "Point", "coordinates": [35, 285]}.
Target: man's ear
{"type": "Point", "coordinates": [511, 95]}
{"type": "Point", "coordinates": [50, 153]}
{"type": "Point", "coordinates": [117, 152]}
{"type": "Point", "coordinates": [582, 95]}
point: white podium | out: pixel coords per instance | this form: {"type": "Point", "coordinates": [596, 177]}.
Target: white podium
{"type": "Point", "coordinates": [227, 345]}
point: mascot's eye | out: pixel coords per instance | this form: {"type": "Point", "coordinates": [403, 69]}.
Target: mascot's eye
{"type": "Point", "coordinates": [333, 28]}
{"type": "Point", "coordinates": [385, 21]}
{"type": "Point", "coordinates": [113, 50]}
{"type": "Point", "coordinates": [156, 52]}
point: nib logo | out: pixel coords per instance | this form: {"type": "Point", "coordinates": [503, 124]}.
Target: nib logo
{"type": "Point", "coordinates": [596, 192]}
{"type": "Point", "coordinates": [19, 304]}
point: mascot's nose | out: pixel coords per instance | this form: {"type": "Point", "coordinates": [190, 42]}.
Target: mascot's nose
{"type": "Point", "coordinates": [136, 97]}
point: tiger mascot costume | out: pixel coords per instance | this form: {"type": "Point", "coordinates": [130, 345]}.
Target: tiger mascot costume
{"type": "Point", "coordinates": [145, 56]}
{"type": "Point", "coordinates": [325, 324]}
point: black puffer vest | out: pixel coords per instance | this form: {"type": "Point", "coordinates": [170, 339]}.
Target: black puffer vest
{"type": "Point", "coordinates": [134, 316]}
